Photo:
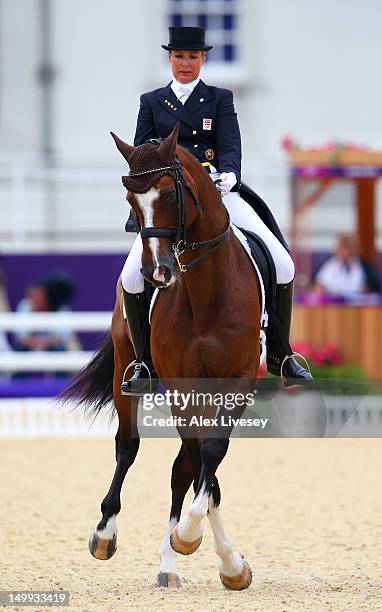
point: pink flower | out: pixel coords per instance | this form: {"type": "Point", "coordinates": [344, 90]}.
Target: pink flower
{"type": "Point", "coordinates": [330, 145]}
{"type": "Point", "coordinates": [351, 146]}
{"type": "Point", "coordinates": [305, 349]}
{"type": "Point", "coordinates": [327, 354]}
{"type": "Point", "coordinates": [330, 354]}
{"type": "Point", "coordinates": [287, 143]}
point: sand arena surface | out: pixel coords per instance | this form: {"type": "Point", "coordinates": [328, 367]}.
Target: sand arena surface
{"type": "Point", "coordinates": [305, 513]}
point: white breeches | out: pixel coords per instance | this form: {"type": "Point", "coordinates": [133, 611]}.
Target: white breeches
{"type": "Point", "coordinates": [241, 215]}
{"type": "Point", "coordinates": [132, 279]}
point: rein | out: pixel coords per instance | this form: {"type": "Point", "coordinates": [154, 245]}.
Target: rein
{"type": "Point", "coordinates": [178, 235]}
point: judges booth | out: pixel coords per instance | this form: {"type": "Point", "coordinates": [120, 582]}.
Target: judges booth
{"type": "Point", "coordinates": [355, 329]}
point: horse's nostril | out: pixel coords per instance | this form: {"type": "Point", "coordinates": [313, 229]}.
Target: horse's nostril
{"type": "Point", "coordinates": [159, 274]}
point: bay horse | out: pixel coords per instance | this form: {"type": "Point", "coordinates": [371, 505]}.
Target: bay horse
{"type": "Point", "coordinates": [205, 324]}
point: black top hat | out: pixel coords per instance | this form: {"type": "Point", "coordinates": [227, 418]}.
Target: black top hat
{"type": "Point", "coordinates": [187, 39]}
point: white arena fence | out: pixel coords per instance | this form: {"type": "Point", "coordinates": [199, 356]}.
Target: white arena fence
{"type": "Point", "coordinates": [41, 416]}
{"type": "Point", "coordinates": [83, 209]}
{"type": "Point", "coordinates": [13, 361]}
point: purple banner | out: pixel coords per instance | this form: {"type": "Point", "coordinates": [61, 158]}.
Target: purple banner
{"type": "Point", "coordinates": [313, 171]}
{"type": "Point", "coordinates": [95, 276]}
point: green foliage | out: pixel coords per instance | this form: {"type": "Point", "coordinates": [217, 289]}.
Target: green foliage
{"type": "Point", "coordinates": [341, 371]}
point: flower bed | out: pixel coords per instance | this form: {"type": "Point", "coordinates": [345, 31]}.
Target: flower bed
{"type": "Point", "coordinates": [331, 153]}
{"type": "Point", "coordinates": [326, 361]}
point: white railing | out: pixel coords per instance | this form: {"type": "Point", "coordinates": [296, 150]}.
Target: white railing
{"type": "Point", "coordinates": [47, 361]}
{"type": "Point", "coordinates": [42, 417]}
{"type": "Point", "coordinates": [74, 321]}
{"type": "Point", "coordinates": [62, 209]}
{"type": "Point", "coordinates": [349, 416]}
{"type": "Point", "coordinates": [13, 361]}
{"type": "Point", "coordinates": [83, 209]}
{"type": "Point", "coordinates": [79, 209]}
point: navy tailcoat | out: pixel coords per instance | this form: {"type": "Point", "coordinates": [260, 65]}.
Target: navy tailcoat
{"type": "Point", "coordinates": [208, 124]}
{"type": "Point", "coordinates": [209, 129]}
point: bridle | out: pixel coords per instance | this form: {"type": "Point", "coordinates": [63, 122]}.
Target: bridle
{"type": "Point", "coordinates": [178, 234]}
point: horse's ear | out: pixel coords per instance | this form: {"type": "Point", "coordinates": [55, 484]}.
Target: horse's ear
{"type": "Point", "coordinates": [125, 149]}
{"type": "Point", "coordinates": [167, 148]}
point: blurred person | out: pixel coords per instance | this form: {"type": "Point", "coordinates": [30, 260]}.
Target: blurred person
{"type": "Point", "coordinates": [4, 304]}
{"type": "Point", "coordinates": [53, 294]}
{"type": "Point", "coordinates": [209, 130]}
{"type": "Point", "coordinates": [345, 273]}
{"type": "Point", "coordinates": [4, 307]}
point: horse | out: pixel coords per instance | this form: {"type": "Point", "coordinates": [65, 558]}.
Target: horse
{"type": "Point", "coordinates": [205, 324]}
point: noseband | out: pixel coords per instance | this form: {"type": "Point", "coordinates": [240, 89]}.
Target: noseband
{"type": "Point", "coordinates": [178, 235]}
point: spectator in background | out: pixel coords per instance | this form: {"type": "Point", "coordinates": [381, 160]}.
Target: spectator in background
{"type": "Point", "coordinates": [345, 273]}
{"type": "Point", "coordinates": [4, 307]}
{"type": "Point", "coordinates": [53, 294]}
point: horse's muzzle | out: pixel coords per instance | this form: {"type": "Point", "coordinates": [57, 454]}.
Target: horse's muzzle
{"type": "Point", "coordinates": [160, 276]}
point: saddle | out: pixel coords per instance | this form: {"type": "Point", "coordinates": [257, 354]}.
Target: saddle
{"type": "Point", "coordinates": [264, 261]}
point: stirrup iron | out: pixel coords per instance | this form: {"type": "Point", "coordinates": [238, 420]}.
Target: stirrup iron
{"type": "Point", "coordinates": [138, 365]}
{"type": "Point", "coordinates": [294, 354]}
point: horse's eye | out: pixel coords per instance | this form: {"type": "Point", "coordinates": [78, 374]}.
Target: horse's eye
{"type": "Point", "coordinates": [170, 196]}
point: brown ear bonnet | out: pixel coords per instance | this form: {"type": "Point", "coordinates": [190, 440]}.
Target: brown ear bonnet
{"type": "Point", "coordinates": [148, 162]}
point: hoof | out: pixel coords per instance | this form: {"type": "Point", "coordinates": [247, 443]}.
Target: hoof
{"type": "Point", "coordinates": [181, 546]}
{"type": "Point", "coordinates": [239, 582]}
{"type": "Point", "coordinates": [102, 549]}
{"type": "Point", "coordinates": [168, 581]}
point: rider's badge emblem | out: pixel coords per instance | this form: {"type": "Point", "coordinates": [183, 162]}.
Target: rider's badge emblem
{"type": "Point", "coordinates": [209, 154]}
{"type": "Point", "coordinates": [207, 124]}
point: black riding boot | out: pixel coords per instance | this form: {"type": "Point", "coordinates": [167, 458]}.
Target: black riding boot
{"type": "Point", "coordinates": [144, 378]}
{"type": "Point", "coordinates": [277, 346]}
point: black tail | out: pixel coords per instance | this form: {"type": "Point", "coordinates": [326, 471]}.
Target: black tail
{"type": "Point", "coordinates": [93, 386]}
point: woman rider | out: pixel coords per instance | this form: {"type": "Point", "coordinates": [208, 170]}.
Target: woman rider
{"type": "Point", "coordinates": [209, 130]}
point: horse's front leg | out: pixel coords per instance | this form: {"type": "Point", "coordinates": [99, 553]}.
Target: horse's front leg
{"type": "Point", "coordinates": [103, 542]}
{"type": "Point", "coordinates": [235, 573]}
{"type": "Point", "coordinates": [187, 534]}
{"type": "Point", "coordinates": [181, 479]}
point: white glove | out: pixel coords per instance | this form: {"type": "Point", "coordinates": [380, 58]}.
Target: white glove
{"type": "Point", "coordinates": [226, 181]}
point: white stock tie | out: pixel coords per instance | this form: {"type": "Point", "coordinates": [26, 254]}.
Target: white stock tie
{"type": "Point", "coordinates": [183, 94]}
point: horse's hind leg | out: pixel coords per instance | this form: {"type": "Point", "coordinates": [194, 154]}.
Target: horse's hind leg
{"type": "Point", "coordinates": [103, 542]}
{"type": "Point", "coordinates": [181, 479]}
